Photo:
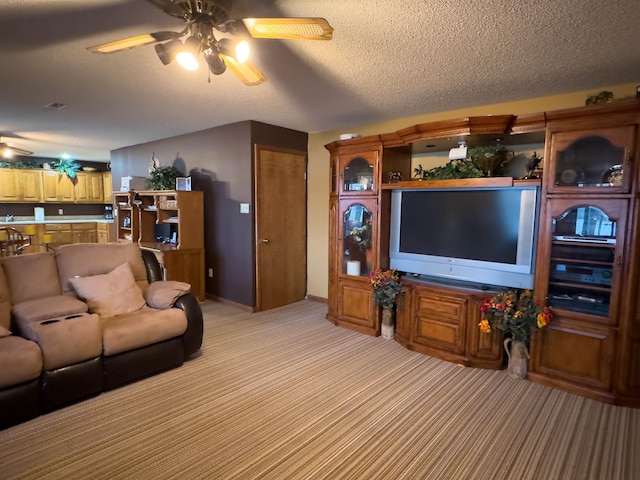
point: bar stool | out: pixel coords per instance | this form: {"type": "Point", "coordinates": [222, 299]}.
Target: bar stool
{"type": "Point", "coordinates": [11, 241]}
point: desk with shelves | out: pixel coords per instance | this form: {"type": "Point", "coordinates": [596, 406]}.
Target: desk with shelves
{"type": "Point", "coordinates": [171, 224]}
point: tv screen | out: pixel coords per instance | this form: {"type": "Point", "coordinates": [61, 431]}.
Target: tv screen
{"type": "Point", "coordinates": [470, 224]}
{"type": "Point", "coordinates": [481, 236]}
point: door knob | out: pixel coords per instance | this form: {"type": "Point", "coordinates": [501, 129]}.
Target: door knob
{"type": "Point", "coordinates": [264, 240]}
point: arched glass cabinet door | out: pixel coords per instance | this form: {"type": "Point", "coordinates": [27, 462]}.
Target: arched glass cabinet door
{"type": "Point", "coordinates": [357, 240]}
{"type": "Point", "coordinates": [597, 161]}
{"type": "Point", "coordinates": [583, 258]}
{"type": "Point", "coordinates": [358, 175]}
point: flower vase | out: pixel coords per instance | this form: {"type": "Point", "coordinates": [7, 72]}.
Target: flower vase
{"type": "Point", "coordinates": [388, 327]}
{"type": "Point", "coordinates": [518, 358]}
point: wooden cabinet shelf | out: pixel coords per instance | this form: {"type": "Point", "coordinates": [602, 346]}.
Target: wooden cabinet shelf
{"type": "Point", "coordinates": [171, 223]}
{"type": "Point", "coordinates": [587, 254]}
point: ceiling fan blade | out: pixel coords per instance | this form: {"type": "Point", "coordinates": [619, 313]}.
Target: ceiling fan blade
{"type": "Point", "coordinates": [133, 42]}
{"type": "Point", "coordinates": [314, 28]}
{"type": "Point", "coordinates": [7, 151]}
{"type": "Point", "coordinates": [246, 72]}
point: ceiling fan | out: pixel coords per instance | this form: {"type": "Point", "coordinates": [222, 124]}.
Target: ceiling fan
{"type": "Point", "coordinates": [203, 18]}
{"type": "Point", "coordinates": [8, 150]}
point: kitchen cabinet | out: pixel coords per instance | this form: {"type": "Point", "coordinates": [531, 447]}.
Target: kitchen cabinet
{"type": "Point", "coordinates": [89, 188]}
{"type": "Point", "coordinates": [20, 185]}
{"type": "Point", "coordinates": [57, 187]}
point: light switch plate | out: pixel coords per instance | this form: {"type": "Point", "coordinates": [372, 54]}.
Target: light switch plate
{"type": "Point", "coordinates": [244, 208]}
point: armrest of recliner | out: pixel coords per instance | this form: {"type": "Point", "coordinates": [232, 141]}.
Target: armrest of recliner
{"type": "Point", "coordinates": [192, 338]}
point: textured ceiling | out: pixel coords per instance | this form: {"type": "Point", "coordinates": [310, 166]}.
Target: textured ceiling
{"type": "Point", "coordinates": [388, 59]}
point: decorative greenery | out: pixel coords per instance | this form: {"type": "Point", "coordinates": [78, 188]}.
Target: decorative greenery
{"type": "Point", "coordinates": [453, 169]}
{"type": "Point", "coordinates": [67, 166]}
{"type": "Point", "coordinates": [362, 235]}
{"type": "Point", "coordinates": [488, 158]}
{"type": "Point", "coordinates": [515, 313]}
{"type": "Point", "coordinates": [387, 286]}
{"type": "Point", "coordinates": [21, 164]}
{"type": "Point", "coordinates": [602, 97]}
{"type": "Point", "coordinates": [164, 178]}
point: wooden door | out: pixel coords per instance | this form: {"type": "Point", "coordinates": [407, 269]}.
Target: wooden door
{"type": "Point", "coordinates": [281, 226]}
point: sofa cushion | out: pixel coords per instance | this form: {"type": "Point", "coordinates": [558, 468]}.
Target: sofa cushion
{"type": "Point", "coordinates": [86, 259]}
{"type": "Point", "coordinates": [5, 301]}
{"type": "Point", "coordinates": [47, 307]}
{"type": "Point", "coordinates": [65, 340]}
{"type": "Point", "coordinates": [30, 276]}
{"type": "Point", "coordinates": [110, 294]}
{"type": "Point", "coordinates": [141, 328]}
{"type": "Point", "coordinates": [20, 361]}
{"type": "Point", "coordinates": [163, 295]}
{"type": "Point", "coordinates": [4, 332]}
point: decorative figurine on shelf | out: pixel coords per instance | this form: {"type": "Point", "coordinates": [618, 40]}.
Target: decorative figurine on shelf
{"type": "Point", "coordinates": [533, 170]}
{"type": "Point", "coordinates": [419, 172]}
{"type": "Point", "coordinates": [395, 177]}
{"type": "Point", "coordinates": [153, 163]}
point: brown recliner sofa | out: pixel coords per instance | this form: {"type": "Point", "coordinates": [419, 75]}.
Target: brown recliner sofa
{"type": "Point", "coordinates": [84, 319]}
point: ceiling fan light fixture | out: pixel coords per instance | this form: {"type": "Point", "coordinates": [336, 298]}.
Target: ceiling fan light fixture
{"type": "Point", "coordinates": [238, 50]}
{"type": "Point", "coordinates": [215, 62]}
{"type": "Point", "coordinates": [167, 51]}
{"type": "Point", "coordinates": [187, 54]}
{"type": "Point", "coordinates": [6, 152]}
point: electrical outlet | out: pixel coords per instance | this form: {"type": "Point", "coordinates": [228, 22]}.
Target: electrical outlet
{"type": "Point", "coordinates": [244, 208]}
{"type": "Point", "coordinates": [60, 211]}
{"type": "Point", "coordinates": [211, 273]}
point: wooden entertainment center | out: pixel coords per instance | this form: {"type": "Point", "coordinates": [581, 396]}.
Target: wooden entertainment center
{"type": "Point", "coordinates": [587, 254]}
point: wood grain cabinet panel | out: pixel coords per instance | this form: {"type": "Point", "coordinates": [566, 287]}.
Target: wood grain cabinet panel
{"type": "Point", "coordinates": [9, 190]}
{"type": "Point", "coordinates": [356, 307]}
{"type": "Point", "coordinates": [578, 354]}
{"type": "Point", "coordinates": [89, 188]}
{"type": "Point", "coordinates": [20, 185]}
{"type": "Point", "coordinates": [440, 321]}
{"type": "Point", "coordinates": [30, 185]}
{"type": "Point", "coordinates": [57, 188]}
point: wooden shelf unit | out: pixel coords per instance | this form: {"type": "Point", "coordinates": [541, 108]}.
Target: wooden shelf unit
{"type": "Point", "coordinates": [591, 160]}
{"type": "Point", "coordinates": [171, 224]}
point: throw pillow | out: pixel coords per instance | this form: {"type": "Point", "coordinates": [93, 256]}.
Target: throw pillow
{"type": "Point", "coordinates": [110, 294]}
{"type": "Point", "coordinates": [4, 332]}
{"type": "Point", "coordinates": [162, 295]}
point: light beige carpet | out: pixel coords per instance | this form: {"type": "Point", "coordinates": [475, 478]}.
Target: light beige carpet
{"type": "Point", "coordinates": [284, 394]}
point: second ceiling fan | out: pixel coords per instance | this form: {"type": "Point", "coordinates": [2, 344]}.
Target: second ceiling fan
{"type": "Point", "coordinates": [203, 19]}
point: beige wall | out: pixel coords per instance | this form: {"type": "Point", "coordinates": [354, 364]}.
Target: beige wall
{"type": "Point", "coordinates": [318, 169]}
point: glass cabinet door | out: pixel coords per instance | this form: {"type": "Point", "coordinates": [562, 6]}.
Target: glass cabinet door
{"type": "Point", "coordinates": [359, 173]}
{"type": "Point", "coordinates": [583, 267]}
{"type": "Point", "coordinates": [597, 161]}
{"type": "Point", "coordinates": [357, 233]}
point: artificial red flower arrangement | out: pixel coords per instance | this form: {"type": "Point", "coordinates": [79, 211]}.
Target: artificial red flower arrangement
{"type": "Point", "coordinates": [515, 313]}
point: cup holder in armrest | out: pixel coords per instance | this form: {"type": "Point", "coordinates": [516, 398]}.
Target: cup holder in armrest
{"type": "Point", "coordinates": [47, 322]}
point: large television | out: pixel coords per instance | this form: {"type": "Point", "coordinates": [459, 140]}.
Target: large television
{"type": "Point", "coordinates": [480, 236]}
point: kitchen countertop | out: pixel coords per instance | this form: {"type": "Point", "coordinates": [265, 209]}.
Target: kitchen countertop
{"type": "Point", "coordinates": [55, 220]}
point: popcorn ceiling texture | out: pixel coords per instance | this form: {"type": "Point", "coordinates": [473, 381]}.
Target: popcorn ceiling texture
{"type": "Point", "coordinates": [388, 59]}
